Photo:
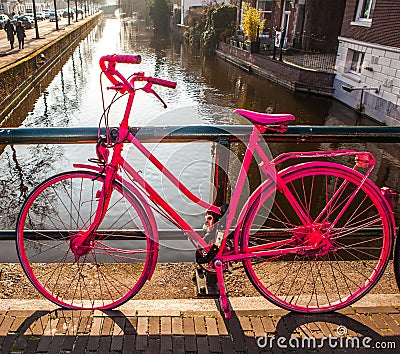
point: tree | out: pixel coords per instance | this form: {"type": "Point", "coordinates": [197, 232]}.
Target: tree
{"type": "Point", "coordinates": [159, 13]}
{"type": "Point", "coordinates": [220, 24]}
{"type": "Point", "coordinates": [251, 22]}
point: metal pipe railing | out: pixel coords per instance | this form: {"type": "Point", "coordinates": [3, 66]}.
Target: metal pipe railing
{"type": "Point", "coordinates": [222, 134]}
{"type": "Point", "coordinates": [164, 234]}
{"type": "Point", "coordinates": [299, 133]}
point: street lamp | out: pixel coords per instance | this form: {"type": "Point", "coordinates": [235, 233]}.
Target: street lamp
{"type": "Point", "coordinates": [35, 19]}
{"type": "Point", "coordinates": [68, 10]}
{"type": "Point", "coordinates": [55, 13]}
{"type": "Point", "coordinates": [362, 89]}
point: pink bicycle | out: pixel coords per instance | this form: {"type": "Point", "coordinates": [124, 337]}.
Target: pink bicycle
{"type": "Point", "coordinates": [315, 236]}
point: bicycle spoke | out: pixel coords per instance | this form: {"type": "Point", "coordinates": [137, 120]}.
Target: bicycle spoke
{"type": "Point", "coordinates": [346, 257]}
{"type": "Point", "coordinates": [101, 273]}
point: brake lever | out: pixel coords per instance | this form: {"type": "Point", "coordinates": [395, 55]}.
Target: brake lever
{"type": "Point", "coordinates": [148, 89]}
{"type": "Point", "coordinates": [119, 88]}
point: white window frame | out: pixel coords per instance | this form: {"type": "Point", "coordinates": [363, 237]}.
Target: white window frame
{"type": "Point", "coordinates": [264, 13]}
{"type": "Point", "coordinates": [360, 19]}
{"type": "Point", "coordinates": [358, 62]}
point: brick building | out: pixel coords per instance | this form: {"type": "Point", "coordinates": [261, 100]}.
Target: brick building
{"type": "Point", "coordinates": [369, 58]}
{"type": "Point", "coordinates": [306, 26]}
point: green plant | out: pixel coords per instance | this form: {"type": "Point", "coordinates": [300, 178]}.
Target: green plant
{"type": "Point", "coordinates": [209, 25]}
{"type": "Point", "coordinates": [251, 22]}
{"type": "Point", "coordinates": [224, 21]}
{"type": "Point", "coordinates": [196, 20]}
{"type": "Point", "coordinates": [159, 11]}
{"type": "Point", "coordinates": [221, 22]}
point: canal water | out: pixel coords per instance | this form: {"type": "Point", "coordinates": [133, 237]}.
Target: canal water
{"type": "Point", "coordinates": [208, 90]}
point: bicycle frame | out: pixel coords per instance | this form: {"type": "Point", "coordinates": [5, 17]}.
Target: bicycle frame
{"type": "Point", "coordinates": [267, 167]}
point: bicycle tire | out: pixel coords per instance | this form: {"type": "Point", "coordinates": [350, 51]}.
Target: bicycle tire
{"type": "Point", "coordinates": [118, 263]}
{"type": "Point", "coordinates": [348, 261]}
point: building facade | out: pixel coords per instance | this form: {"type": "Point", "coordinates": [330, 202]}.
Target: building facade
{"type": "Point", "coordinates": [18, 7]}
{"type": "Point", "coordinates": [10, 7]}
{"type": "Point", "coordinates": [305, 25]}
{"type": "Point", "coordinates": [183, 6]}
{"type": "Point", "coordinates": [368, 59]}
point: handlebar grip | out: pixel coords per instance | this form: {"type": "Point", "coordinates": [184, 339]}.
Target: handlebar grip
{"type": "Point", "coordinates": [122, 58]}
{"type": "Point", "coordinates": [162, 82]}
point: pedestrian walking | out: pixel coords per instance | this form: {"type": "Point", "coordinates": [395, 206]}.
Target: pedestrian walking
{"type": "Point", "coordinates": [9, 28]}
{"type": "Point", "coordinates": [20, 30]}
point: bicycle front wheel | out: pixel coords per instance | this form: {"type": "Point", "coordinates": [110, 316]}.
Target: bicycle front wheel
{"type": "Point", "coordinates": [342, 250]}
{"type": "Point", "coordinates": [116, 264]}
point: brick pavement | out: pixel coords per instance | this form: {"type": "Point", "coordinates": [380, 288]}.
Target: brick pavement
{"type": "Point", "coordinates": [165, 330]}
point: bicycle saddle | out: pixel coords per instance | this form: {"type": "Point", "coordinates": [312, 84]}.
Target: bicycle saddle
{"type": "Point", "coordinates": [265, 118]}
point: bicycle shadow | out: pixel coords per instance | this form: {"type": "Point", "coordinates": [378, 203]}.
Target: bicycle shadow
{"type": "Point", "coordinates": [66, 331]}
{"type": "Point", "coordinates": [247, 332]}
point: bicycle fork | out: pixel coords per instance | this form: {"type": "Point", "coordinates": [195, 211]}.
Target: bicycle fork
{"type": "Point", "coordinates": [81, 242]}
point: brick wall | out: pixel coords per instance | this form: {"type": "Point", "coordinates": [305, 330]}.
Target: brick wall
{"type": "Point", "coordinates": [385, 28]}
{"type": "Point", "coordinates": [289, 76]}
{"type": "Point", "coordinates": [322, 27]}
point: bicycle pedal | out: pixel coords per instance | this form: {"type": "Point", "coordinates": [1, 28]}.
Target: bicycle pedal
{"type": "Point", "coordinates": [219, 238]}
{"type": "Point", "coordinates": [202, 258]}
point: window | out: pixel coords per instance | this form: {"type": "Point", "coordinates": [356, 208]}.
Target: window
{"type": "Point", "coordinates": [365, 10]}
{"type": "Point", "coordinates": [355, 60]}
{"type": "Point", "coordinates": [266, 12]}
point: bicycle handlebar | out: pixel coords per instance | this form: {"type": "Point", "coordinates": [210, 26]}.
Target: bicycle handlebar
{"type": "Point", "coordinates": [108, 63]}
{"type": "Point", "coordinates": [162, 82]}
{"type": "Point", "coordinates": [121, 58]}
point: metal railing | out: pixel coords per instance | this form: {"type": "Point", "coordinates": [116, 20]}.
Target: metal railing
{"type": "Point", "coordinates": [315, 61]}
{"type": "Point", "coordinates": [222, 134]}
{"type": "Point", "coordinates": [300, 133]}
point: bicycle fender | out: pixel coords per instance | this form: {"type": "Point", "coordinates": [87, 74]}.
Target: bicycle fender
{"type": "Point", "coordinates": [88, 167]}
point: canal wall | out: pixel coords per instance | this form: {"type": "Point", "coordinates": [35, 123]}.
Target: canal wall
{"type": "Point", "coordinates": [293, 77]}
{"type": "Point", "coordinates": [26, 76]}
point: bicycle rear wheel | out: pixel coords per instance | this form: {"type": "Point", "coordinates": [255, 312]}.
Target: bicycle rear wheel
{"type": "Point", "coordinates": [118, 262]}
{"type": "Point", "coordinates": [348, 258]}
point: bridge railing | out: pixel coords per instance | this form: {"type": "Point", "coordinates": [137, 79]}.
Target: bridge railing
{"type": "Point", "coordinates": [299, 134]}
{"type": "Point", "coordinates": [222, 135]}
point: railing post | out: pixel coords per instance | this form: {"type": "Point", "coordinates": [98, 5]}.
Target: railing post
{"type": "Point", "coordinates": [274, 47]}
{"type": "Point", "coordinates": [219, 174]}
{"type": "Point", "coordinates": [283, 34]}
{"type": "Point", "coordinates": [207, 284]}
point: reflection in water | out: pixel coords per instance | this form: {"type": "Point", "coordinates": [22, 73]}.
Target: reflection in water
{"type": "Point", "coordinates": [207, 83]}
{"type": "Point", "coordinates": [45, 112]}
{"type": "Point", "coordinates": [63, 94]}
{"type": "Point", "coordinates": [22, 187]}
